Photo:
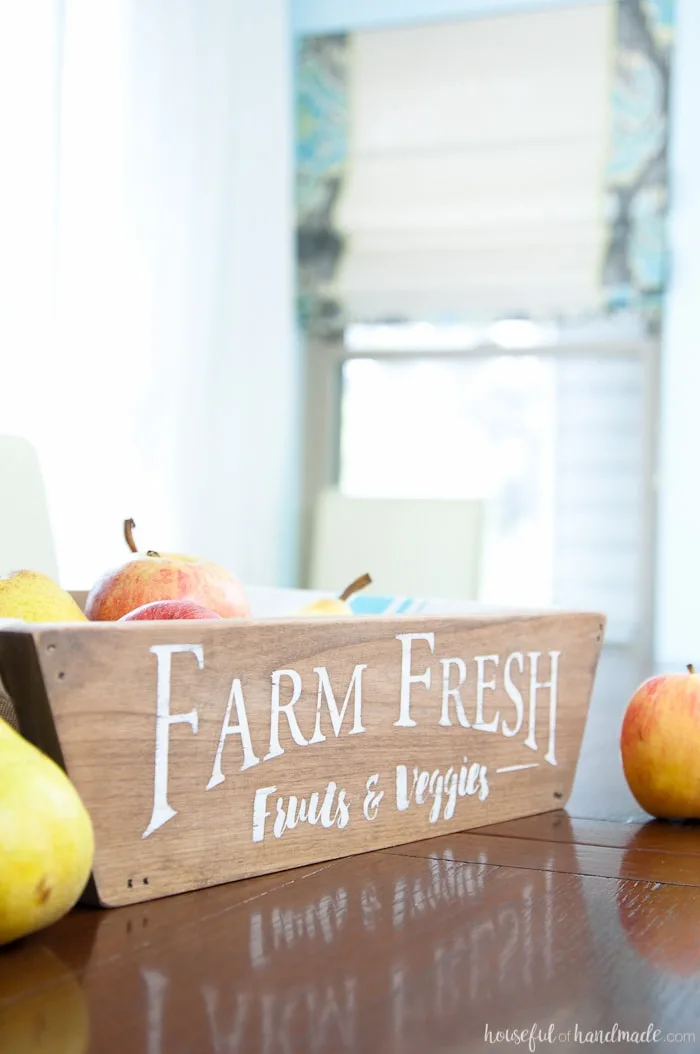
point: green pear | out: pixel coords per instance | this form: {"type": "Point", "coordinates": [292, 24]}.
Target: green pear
{"type": "Point", "coordinates": [34, 597]}
{"type": "Point", "coordinates": [46, 837]}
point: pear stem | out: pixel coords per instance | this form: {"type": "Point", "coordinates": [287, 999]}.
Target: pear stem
{"type": "Point", "coordinates": [691, 668]}
{"type": "Point", "coordinates": [356, 586]}
{"type": "Point", "coordinates": [129, 535]}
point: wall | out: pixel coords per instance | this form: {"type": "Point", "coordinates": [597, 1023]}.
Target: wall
{"type": "Point", "coordinates": [328, 16]}
{"type": "Point", "coordinates": [678, 565]}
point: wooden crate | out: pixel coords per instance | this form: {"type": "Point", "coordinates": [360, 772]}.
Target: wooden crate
{"type": "Point", "coordinates": [212, 751]}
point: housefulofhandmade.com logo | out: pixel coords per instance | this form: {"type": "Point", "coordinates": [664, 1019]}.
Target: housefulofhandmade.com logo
{"type": "Point", "coordinates": [537, 1036]}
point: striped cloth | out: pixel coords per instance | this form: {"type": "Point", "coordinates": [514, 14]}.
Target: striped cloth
{"type": "Point", "coordinates": [7, 710]}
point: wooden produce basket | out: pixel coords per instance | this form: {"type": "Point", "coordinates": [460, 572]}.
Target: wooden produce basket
{"type": "Point", "coordinates": [209, 751]}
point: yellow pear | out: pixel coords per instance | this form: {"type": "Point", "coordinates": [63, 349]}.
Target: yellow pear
{"type": "Point", "coordinates": [35, 597]}
{"type": "Point", "coordinates": [329, 606]}
{"type": "Point", "coordinates": [46, 837]}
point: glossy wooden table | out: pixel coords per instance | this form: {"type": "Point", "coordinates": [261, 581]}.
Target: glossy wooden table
{"type": "Point", "coordinates": [557, 925]}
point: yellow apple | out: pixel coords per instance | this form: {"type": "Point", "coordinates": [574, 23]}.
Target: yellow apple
{"type": "Point", "coordinates": [660, 745]}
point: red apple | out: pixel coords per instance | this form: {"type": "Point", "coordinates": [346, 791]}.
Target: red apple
{"type": "Point", "coordinates": [168, 576]}
{"type": "Point", "coordinates": [168, 609]}
{"type": "Point", "coordinates": [660, 745]}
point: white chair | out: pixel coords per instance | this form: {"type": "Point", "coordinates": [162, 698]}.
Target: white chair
{"type": "Point", "coordinates": [411, 547]}
{"type": "Point", "coordinates": [26, 538]}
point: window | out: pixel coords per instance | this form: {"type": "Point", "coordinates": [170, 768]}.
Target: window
{"type": "Point", "coordinates": [555, 442]}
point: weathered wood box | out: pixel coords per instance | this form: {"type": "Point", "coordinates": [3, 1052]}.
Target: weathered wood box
{"type": "Point", "coordinates": [212, 751]}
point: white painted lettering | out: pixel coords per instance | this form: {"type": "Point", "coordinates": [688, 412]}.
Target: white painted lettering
{"type": "Point", "coordinates": [286, 818]}
{"type": "Point", "coordinates": [162, 811]}
{"type": "Point", "coordinates": [450, 785]}
{"type": "Point", "coordinates": [513, 693]}
{"type": "Point", "coordinates": [403, 795]}
{"type": "Point", "coordinates": [550, 756]}
{"type": "Point", "coordinates": [551, 684]}
{"type": "Point", "coordinates": [481, 685]}
{"type": "Point", "coordinates": [438, 790]}
{"type": "Point", "coordinates": [453, 693]}
{"type": "Point", "coordinates": [372, 798]}
{"type": "Point", "coordinates": [326, 691]}
{"type": "Point", "coordinates": [407, 678]}
{"type": "Point", "coordinates": [241, 729]}
{"type": "Point", "coordinates": [421, 785]}
{"type": "Point", "coordinates": [332, 811]}
{"type": "Point", "coordinates": [277, 708]}
{"type": "Point", "coordinates": [435, 787]}
{"type": "Point", "coordinates": [260, 811]}
{"type": "Point", "coordinates": [340, 816]}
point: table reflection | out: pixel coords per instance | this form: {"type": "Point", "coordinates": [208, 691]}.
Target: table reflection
{"type": "Point", "coordinates": [394, 947]}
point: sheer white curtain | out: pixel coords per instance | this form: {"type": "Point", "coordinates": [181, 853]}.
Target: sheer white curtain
{"type": "Point", "coordinates": [28, 182]}
{"type": "Point", "coordinates": [148, 345]}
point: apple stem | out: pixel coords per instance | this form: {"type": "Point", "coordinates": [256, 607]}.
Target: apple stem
{"type": "Point", "coordinates": [129, 535]}
{"type": "Point", "coordinates": [691, 668]}
{"type": "Point", "coordinates": [356, 586]}
{"type": "Point", "coordinates": [152, 552]}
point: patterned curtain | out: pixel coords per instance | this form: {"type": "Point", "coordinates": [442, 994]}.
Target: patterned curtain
{"type": "Point", "coordinates": [321, 152]}
{"type": "Point", "coordinates": [636, 263]}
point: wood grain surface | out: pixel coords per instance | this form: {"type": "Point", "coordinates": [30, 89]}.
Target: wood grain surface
{"type": "Point", "coordinates": [207, 752]}
{"type": "Point", "coordinates": [603, 861]}
{"type": "Point", "coordinates": [383, 952]}
{"type": "Point", "coordinates": [677, 837]}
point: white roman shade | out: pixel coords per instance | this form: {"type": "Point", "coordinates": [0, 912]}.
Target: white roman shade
{"type": "Point", "coordinates": [474, 182]}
